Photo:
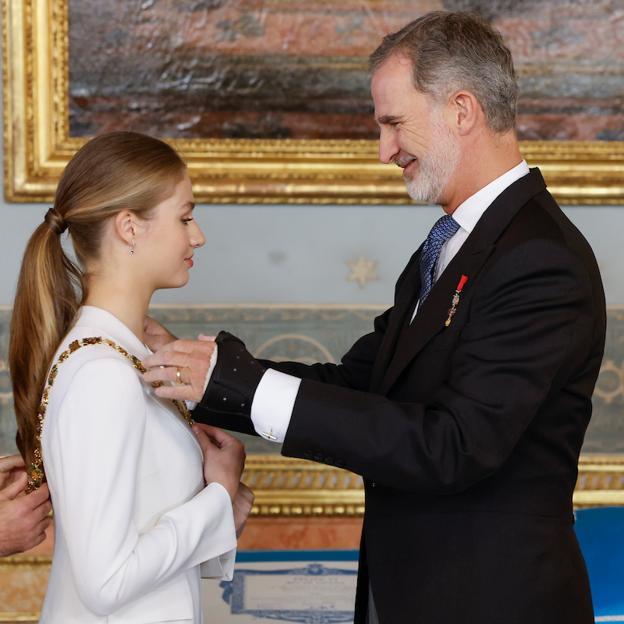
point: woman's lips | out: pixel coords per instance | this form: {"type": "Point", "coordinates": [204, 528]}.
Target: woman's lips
{"type": "Point", "coordinates": [189, 262]}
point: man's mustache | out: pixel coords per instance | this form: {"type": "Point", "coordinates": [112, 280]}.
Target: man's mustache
{"type": "Point", "coordinates": [403, 161]}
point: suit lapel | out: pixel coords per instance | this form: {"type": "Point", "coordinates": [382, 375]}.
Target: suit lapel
{"type": "Point", "coordinates": [403, 308]}
{"type": "Point", "coordinates": [468, 261]}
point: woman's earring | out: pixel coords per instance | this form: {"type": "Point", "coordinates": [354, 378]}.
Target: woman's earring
{"type": "Point", "coordinates": [132, 247]}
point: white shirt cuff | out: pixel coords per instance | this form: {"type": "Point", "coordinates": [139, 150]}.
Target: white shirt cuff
{"type": "Point", "coordinates": [273, 404]}
{"type": "Point", "coordinates": [213, 362]}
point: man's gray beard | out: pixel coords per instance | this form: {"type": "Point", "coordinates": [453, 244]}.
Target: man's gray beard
{"type": "Point", "coordinates": [436, 168]}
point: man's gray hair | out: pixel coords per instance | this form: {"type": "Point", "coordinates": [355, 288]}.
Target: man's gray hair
{"type": "Point", "coordinates": [452, 51]}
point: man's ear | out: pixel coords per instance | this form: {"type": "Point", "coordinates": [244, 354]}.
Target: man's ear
{"type": "Point", "coordinates": [125, 226]}
{"type": "Point", "coordinates": [464, 112]}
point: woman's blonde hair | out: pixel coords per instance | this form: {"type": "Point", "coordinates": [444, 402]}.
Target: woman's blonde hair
{"type": "Point", "coordinates": [112, 172]}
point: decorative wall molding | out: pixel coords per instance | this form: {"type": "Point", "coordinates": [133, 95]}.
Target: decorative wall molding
{"type": "Point", "coordinates": [310, 333]}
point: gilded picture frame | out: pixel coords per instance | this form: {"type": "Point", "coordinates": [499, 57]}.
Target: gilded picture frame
{"type": "Point", "coordinates": [37, 143]}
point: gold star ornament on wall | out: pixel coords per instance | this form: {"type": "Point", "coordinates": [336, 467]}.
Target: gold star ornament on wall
{"type": "Point", "coordinates": [362, 271]}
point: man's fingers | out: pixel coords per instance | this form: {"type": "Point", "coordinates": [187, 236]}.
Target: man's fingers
{"type": "Point", "coordinates": [178, 393]}
{"type": "Point", "coordinates": [44, 510]}
{"type": "Point", "coordinates": [13, 490]}
{"type": "Point", "coordinates": [44, 524]}
{"type": "Point", "coordinates": [167, 358]}
{"type": "Point", "coordinates": [178, 358]}
{"type": "Point", "coordinates": [179, 346]}
{"type": "Point", "coordinates": [41, 535]}
{"type": "Point", "coordinates": [167, 373]}
{"type": "Point", "coordinates": [39, 497]}
{"type": "Point", "coordinates": [150, 323]}
{"type": "Point", "coordinates": [10, 462]}
{"type": "Point", "coordinates": [205, 338]}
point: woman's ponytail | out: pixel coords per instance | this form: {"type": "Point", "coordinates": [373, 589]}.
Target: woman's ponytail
{"type": "Point", "coordinates": [46, 301]}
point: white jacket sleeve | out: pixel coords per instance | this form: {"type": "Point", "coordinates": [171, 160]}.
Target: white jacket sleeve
{"type": "Point", "coordinates": [95, 456]}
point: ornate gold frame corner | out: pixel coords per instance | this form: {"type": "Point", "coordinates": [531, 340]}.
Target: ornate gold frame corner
{"type": "Point", "coordinates": [37, 144]}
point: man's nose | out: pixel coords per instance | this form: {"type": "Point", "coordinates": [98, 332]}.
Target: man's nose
{"type": "Point", "coordinates": [388, 146]}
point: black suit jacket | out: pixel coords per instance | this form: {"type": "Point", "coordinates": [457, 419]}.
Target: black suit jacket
{"type": "Point", "coordinates": [468, 436]}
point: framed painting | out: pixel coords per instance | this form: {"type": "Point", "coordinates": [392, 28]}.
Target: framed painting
{"type": "Point", "coordinates": [268, 100]}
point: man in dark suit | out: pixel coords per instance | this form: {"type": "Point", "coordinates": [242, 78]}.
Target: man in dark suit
{"type": "Point", "coordinates": [466, 407]}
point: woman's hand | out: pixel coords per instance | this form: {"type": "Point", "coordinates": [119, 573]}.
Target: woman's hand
{"type": "Point", "coordinates": [243, 503]}
{"type": "Point", "coordinates": [224, 457]}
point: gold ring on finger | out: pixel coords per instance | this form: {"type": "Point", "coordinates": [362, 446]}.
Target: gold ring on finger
{"type": "Point", "coordinates": [179, 377]}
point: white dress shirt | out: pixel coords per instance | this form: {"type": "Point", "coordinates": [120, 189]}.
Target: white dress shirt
{"type": "Point", "coordinates": [275, 396]}
{"type": "Point", "coordinates": [133, 518]}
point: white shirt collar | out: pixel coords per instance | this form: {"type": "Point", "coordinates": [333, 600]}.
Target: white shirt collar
{"type": "Point", "coordinates": [470, 211]}
{"type": "Point", "coordinates": [101, 322]}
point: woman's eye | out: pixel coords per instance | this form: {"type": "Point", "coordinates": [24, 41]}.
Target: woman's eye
{"type": "Point", "coordinates": [187, 220]}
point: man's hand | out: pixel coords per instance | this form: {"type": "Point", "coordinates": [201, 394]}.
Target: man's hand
{"type": "Point", "coordinates": [11, 468]}
{"type": "Point", "coordinates": [224, 457]}
{"type": "Point", "coordinates": [191, 358]}
{"type": "Point", "coordinates": [243, 503]}
{"type": "Point", "coordinates": [156, 336]}
{"type": "Point", "coordinates": [24, 518]}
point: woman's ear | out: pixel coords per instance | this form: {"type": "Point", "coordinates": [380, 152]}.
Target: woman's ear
{"type": "Point", "coordinates": [125, 226]}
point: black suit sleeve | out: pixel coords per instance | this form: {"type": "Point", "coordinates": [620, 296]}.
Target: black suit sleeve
{"type": "Point", "coordinates": [513, 350]}
{"type": "Point", "coordinates": [229, 396]}
{"type": "Point", "coordinates": [355, 368]}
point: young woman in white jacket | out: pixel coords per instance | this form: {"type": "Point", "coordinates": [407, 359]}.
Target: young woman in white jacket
{"type": "Point", "coordinates": [141, 496]}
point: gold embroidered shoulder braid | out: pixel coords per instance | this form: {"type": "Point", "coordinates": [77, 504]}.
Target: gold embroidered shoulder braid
{"type": "Point", "coordinates": [36, 474]}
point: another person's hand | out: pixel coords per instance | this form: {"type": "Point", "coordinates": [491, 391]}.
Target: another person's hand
{"type": "Point", "coordinates": [224, 457]}
{"type": "Point", "coordinates": [156, 335]}
{"type": "Point", "coordinates": [243, 504]}
{"type": "Point", "coordinates": [24, 518]}
{"type": "Point", "coordinates": [191, 359]}
{"type": "Point", "coordinates": [12, 467]}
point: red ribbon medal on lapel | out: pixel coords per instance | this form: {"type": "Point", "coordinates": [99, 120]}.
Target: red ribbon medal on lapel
{"type": "Point", "coordinates": [455, 300]}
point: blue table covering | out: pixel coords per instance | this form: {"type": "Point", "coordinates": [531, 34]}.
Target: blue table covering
{"type": "Point", "coordinates": [601, 535]}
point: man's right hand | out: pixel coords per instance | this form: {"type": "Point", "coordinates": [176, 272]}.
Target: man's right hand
{"type": "Point", "coordinates": [24, 518]}
{"type": "Point", "coordinates": [224, 457]}
{"type": "Point", "coordinates": [156, 335]}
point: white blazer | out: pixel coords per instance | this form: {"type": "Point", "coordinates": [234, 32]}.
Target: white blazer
{"type": "Point", "coordinates": [133, 519]}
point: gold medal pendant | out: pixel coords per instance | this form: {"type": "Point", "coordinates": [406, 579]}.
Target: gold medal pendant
{"type": "Point", "coordinates": [455, 300]}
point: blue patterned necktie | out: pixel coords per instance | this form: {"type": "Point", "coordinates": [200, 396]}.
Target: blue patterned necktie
{"type": "Point", "coordinates": [443, 229]}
